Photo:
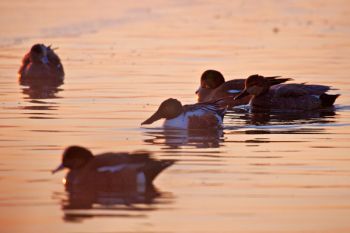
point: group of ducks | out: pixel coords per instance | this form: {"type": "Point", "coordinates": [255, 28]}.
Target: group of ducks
{"type": "Point", "coordinates": [215, 96]}
{"type": "Point", "coordinates": [42, 66]}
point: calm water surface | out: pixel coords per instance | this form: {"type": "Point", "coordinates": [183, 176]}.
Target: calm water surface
{"type": "Point", "coordinates": [260, 173]}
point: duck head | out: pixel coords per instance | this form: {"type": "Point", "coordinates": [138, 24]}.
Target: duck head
{"type": "Point", "coordinates": [210, 80]}
{"type": "Point", "coordinates": [38, 54]}
{"type": "Point", "coordinates": [74, 157]}
{"type": "Point", "coordinates": [168, 109]}
{"type": "Point", "coordinates": [255, 85]}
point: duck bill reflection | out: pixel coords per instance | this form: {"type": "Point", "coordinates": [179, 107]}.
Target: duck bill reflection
{"type": "Point", "coordinates": [59, 168]}
{"type": "Point", "coordinates": [155, 117]}
{"type": "Point", "coordinates": [242, 94]}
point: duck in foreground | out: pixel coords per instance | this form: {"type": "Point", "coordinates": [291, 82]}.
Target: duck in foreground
{"type": "Point", "coordinates": [213, 86]}
{"type": "Point", "coordinates": [194, 116]}
{"type": "Point", "coordinates": [110, 171]}
{"type": "Point", "coordinates": [286, 96]}
{"type": "Point", "coordinates": [41, 66]}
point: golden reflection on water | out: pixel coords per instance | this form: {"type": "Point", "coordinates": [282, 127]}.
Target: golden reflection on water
{"type": "Point", "coordinates": [79, 205]}
{"type": "Point", "coordinates": [263, 172]}
{"type": "Point", "coordinates": [173, 138]}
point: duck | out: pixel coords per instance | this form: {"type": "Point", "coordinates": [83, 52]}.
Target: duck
{"type": "Point", "coordinates": [291, 96]}
{"type": "Point", "coordinates": [213, 86]}
{"type": "Point", "coordinates": [193, 116]}
{"type": "Point", "coordinates": [41, 66]}
{"type": "Point", "coordinates": [109, 171]}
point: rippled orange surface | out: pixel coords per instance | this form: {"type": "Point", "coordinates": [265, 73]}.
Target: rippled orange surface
{"type": "Point", "coordinates": [259, 174]}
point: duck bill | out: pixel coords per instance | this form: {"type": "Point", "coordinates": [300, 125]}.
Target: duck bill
{"type": "Point", "coordinates": [59, 168]}
{"type": "Point", "coordinates": [241, 94]}
{"type": "Point", "coordinates": [155, 117]}
{"type": "Point", "coordinates": [203, 94]}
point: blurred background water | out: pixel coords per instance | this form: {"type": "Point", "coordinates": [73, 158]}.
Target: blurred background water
{"type": "Point", "coordinates": [260, 173]}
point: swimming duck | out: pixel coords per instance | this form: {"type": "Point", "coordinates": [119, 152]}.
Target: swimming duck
{"type": "Point", "coordinates": [41, 66]}
{"type": "Point", "coordinates": [213, 87]}
{"type": "Point", "coordinates": [286, 96]}
{"type": "Point", "coordinates": [111, 171]}
{"type": "Point", "coordinates": [194, 116]}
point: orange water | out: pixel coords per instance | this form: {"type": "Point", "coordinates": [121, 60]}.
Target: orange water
{"type": "Point", "coordinates": [122, 59]}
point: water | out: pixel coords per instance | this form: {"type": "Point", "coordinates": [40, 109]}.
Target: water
{"type": "Point", "coordinates": [261, 173]}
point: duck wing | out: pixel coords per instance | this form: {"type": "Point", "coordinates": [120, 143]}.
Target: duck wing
{"type": "Point", "coordinates": [218, 107]}
{"type": "Point", "coordinates": [235, 85]}
{"type": "Point", "coordinates": [52, 56]}
{"type": "Point", "coordinates": [55, 63]}
{"type": "Point", "coordinates": [275, 80]}
{"type": "Point", "coordinates": [111, 159]}
{"type": "Point", "coordinates": [131, 163]}
{"type": "Point", "coordinates": [295, 90]}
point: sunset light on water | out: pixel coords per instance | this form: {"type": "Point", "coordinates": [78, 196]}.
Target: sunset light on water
{"type": "Point", "coordinates": [262, 171]}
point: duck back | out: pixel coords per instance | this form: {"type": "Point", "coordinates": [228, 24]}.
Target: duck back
{"type": "Point", "coordinates": [294, 97]}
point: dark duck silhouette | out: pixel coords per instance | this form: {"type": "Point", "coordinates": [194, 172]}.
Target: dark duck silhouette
{"type": "Point", "coordinates": [286, 96]}
{"type": "Point", "coordinates": [110, 171]}
{"type": "Point", "coordinates": [41, 66]}
{"type": "Point", "coordinates": [213, 86]}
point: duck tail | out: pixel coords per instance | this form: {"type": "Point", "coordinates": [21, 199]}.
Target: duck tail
{"type": "Point", "coordinates": [328, 100]}
{"type": "Point", "coordinates": [153, 168]}
{"type": "Point", "coordinates": [274, 80]}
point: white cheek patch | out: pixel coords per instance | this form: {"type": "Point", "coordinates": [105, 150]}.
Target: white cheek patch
{"type": "Point", "coordinates": [115, 168]}
{"type": "Point", "coordinates": [233, 91]}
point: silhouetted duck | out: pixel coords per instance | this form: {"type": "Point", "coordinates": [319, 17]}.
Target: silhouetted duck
{"type": "Point", "coordinates": [286, 96]}
{"type": "Point", "coordinates": [195, 116]}
{"type": "Point", "coordinates": [117, 171]}
{"type": "Point", "coordinates": [41, 66]}
{"type": "Point", "coordinates": [213, 86]}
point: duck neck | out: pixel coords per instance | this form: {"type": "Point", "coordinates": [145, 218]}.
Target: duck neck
{"type": "Point", "coordinates": [265, 90]}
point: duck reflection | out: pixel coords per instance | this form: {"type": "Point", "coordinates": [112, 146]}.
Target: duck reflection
{"type": "Point", "coordinates": [175, 138]}
{"type": "Point", "coordinates": [265, 126]}
{"type": "Point", "coordinates": [263, 117]}
{"type": "Point", "coordinates": [41, 92]}
{"type": "Point", "coordinates": [39, 98]}
{"type": "Point", "coordinates": [80, 204]}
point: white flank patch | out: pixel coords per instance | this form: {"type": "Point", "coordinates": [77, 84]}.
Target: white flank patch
{"type": "Point", "coordinates": [233, 91]}
{"type": "Point", "coordinates": [115, 168]}
{"type": "Point", "coordinates": [179, 122]}
{"type": "Point", "coordinates": [317, 96]}
{"type": "Point", "coordinates": [141, 182]}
